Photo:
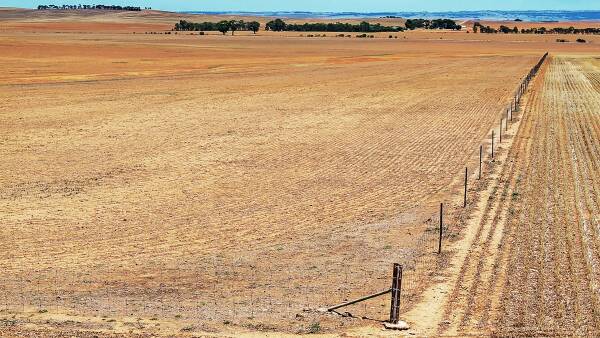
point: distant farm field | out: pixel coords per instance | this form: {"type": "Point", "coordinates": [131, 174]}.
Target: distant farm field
{"type": "Point", "coordinates": [203, 182]}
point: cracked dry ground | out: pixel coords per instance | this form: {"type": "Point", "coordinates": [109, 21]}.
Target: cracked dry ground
{"type": "Point", "coordinates": [532, 267]}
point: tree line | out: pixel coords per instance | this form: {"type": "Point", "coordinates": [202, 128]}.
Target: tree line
{"type": "Point", "coordinates": [478, 27]}
{"type": "Point", "coordinates": [100, 7]}
{"type": "Point", "coordinates": [279, 25]}
{"type": "Point", "coordinates": [223, 26]}
{"type": "Point", "coordinates": [413, 24]}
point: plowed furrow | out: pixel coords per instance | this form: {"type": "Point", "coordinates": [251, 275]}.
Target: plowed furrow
{"type": "Point", "coordinates": [553, 266]}
{"type": "Point", "coordinates": [533, 267]}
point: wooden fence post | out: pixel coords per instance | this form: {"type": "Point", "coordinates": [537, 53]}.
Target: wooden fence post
{"type": "Point", "coordinates": [396, 292]}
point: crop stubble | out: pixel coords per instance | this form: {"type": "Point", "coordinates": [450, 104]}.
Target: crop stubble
{"type": "Point", "coordinates": [532, 268]}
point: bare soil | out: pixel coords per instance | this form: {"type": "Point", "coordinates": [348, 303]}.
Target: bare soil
{"type": "Point", "coordinates": [219, 185]}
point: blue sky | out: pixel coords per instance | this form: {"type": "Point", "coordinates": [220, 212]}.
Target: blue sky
{"type": "Point", "coordinates": [333, 5]}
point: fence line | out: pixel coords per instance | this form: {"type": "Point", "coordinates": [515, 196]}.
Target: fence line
{"type": "Point", "coordinates": [279, 292]}
{"type": "Point", "coordinates": [419, 264]}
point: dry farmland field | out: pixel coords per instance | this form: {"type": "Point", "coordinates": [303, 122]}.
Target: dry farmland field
{"type": "Point", "coordinates": [231, 185]}
{"type": "Point", "coordinates": [528, 265]}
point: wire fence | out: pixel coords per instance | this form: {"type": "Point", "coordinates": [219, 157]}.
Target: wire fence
{"type": "Point", "coordinates": [425, 256]}
{"type": "Point", "coordinates": [263, 293]}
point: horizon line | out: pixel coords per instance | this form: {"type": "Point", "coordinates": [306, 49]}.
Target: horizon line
{"type": "Point", "coordinates": [359, 12]}
{"type": "Point", "coordinates": [377, 12]}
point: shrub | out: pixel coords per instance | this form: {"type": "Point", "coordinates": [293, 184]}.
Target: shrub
{"type": "Point", "coordinates": [314, 327]}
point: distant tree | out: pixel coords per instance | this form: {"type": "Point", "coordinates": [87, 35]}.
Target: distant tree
{"type": "Point", "coordinates": [254, 26]}
{"type": "Point", "coordinates": [223, 26]}
{"type": "Point", "coordinates": [235, 25]}
{"type": "Point", "coordinates": [365, 26]}
{"type": "Point", "coordinates": [100, 7]}
{"type": "Point", "coordinates": [483, 29]}
{"type": "Point", "coordinates": [413, 24]}
{"type": "Point", "coordinates": [444, 24]}
{"type": "Point", "coordinates": [276, 25]}
{"type": "Point", "coordinates": [504, 29]}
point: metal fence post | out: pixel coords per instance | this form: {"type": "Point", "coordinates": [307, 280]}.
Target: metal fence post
{"type": "Point", "coordinates": [492, 144]}
{"type": "Point", "coordinates": [480, 159]}
{"type": "Point", "coordinates": [466, 178]}
{"type": "Point", "coordinates": [500, 134]}
{"type": "Point", "coordinates": [441, 227]}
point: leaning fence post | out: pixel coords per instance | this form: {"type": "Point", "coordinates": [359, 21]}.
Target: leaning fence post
{"type": "Point", "coordinates": [441, 227]}
{"type": "Point", "coordinates": [396, 290]}
{"type": "Point", "coordinates": [465, 195]}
